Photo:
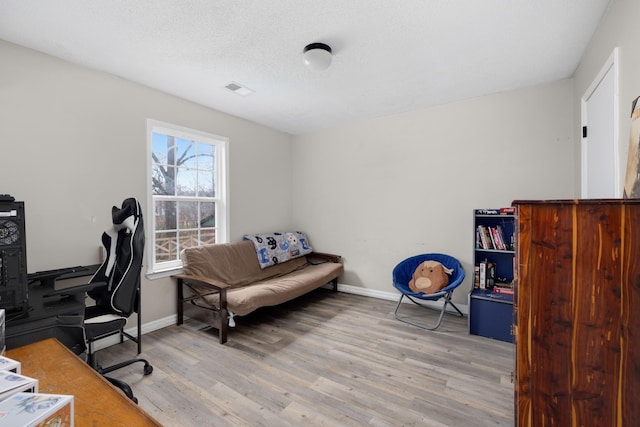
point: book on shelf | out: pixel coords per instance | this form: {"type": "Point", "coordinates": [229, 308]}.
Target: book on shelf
{"type": "Point", "coordinates": [503, 289]}
{"type": "Point", "coordinates": [500, 233]}
{"type": "Point", "coordinates": [481, 241]}
{"type": "Point", "coordinates": [491, 238]}
{"type": "Point", "coordinates": [502, 211]}
{"type": "Point", "coordinates": [487, 274]}
{"type": "Point", "coordinates": [487, 211]}
{"type": "Point", "coordinates": [487, 237]}
{"type": "Point", "coordinates": [476, 276]}
{"type": "Point", "coordinates": [496, 239]}
{"type": "Point", "coordinates": [491, 275]}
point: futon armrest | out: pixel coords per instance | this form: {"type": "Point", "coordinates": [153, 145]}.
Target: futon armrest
{"type": "Point", "coordinates": [219, 315]}
{"type": "Point", "coordinates": [201, 280]}
{"type": "Point", "coordinates": [324, 256]}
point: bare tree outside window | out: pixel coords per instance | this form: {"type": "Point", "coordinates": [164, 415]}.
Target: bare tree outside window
{"type": "Point", "coordinates": [183, 185]}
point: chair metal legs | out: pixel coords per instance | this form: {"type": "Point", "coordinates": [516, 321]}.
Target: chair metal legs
{"type": "Point", "coordinates": [93, 362]}
{"type": "Point", "coordinates": [148, 369]}
{"type": "Point", "coordinates": [126, 389]}
{"type": "Point", "coordinates": [447, 300]}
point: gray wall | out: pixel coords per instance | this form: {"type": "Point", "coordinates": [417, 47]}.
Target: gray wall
{"type": "Point", "coordinates": [74, 143]}
{"type": "Point", "coordinates": [380, 191]}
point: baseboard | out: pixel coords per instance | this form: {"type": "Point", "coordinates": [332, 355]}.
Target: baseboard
{"type": "Point", "coordinates": [146, 328]}
{"type": "Point", "coordinates": [349, 289]}
{"type": "Point", "coordinates": [393, 296]}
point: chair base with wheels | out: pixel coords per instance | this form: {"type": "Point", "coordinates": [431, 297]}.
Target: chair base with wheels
{"type": "Point", "coordinates": [402, 274]}
{"type": "Point", "coordinates": [103, 329]}
{"type": "Point", "coordinates": [126, 389]}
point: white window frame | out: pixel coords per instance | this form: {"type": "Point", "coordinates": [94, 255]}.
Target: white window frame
{"type": "Point", "coordinates": [163, 269]}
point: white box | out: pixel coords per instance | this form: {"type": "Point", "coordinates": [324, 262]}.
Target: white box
{"type": "Point", "coordinates": [35, 410]}
{"type": "Point", "coordinates": [12, 383]}
{"type": "Point", "coordinates": [7, 364]}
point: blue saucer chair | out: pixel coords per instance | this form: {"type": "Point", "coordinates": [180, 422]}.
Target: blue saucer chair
{"type": "Point", "coordinates": [402, 274]}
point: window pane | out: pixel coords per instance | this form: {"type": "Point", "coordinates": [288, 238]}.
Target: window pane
{"type": "Point", "coordinates": [188, 215]}
{"type": "Point", "coordinates": [206, 184]}
{"type": "Point", "coordinates": [163, 180]}
{"type": "Point", "coordinates": [165, 215]}
{"type": "Point", "coordinates": [162, 148]}
{"type": "Point", "coordinates": [166, 246]}
{"type": "Point", "coordinates": [188, 239]}
{"type": "Point", "coordinates": [207, 236]}
{"type": "Point", "coordinates": [207, 214]}
{"type": "Point", "coordinates": [186, 182]}
{"type": "Point", "coordinates": [206, 156]}
{"type": "Point", "coordinates": [186, 153]}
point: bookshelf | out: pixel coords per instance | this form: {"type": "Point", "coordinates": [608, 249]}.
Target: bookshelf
{"type": "Point", "coordinates": [491, 298]}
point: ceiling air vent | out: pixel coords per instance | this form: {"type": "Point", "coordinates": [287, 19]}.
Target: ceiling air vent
{"type": "Point", "coordinates": [239, 89]}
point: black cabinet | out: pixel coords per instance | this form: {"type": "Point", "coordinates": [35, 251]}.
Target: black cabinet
{"type": "Point", "coordinates": [51, 313]}
{"type": "Point", "coordinates": [48, 317]}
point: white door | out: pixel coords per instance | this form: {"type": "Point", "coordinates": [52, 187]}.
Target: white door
{"type": "Point", "coordinates": [600, 158]}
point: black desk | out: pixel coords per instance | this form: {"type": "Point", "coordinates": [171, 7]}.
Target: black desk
{"type": "Point", "coordinates": [57, 316]}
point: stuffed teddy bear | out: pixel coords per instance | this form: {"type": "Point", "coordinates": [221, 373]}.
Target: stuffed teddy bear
{"type": "Point", "coordinates": [429, 277]}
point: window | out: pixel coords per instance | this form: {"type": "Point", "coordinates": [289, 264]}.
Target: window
{"type": "Point", "coordinates": [187, 192]}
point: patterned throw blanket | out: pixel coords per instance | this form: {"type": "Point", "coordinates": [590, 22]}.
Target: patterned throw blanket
{"type": "Point", "coordinates": [276, 248]}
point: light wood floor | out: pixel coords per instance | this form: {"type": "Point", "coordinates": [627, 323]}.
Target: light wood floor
{"type": "Point", "coordinates": [325, 359]}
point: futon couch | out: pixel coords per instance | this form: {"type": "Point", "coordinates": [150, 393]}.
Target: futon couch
{"type": "Point", "coordinates": [224, 280]}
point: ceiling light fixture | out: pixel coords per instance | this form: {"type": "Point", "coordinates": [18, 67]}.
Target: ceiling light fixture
{"type": "Point", "coordinates": [317, 56]}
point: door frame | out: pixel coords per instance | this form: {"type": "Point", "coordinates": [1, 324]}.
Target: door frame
{"type": "Point", "coordinates": [612, 64]}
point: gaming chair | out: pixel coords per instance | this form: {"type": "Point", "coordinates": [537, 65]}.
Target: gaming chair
{"type": "Point", "coordinates": [116, 288]}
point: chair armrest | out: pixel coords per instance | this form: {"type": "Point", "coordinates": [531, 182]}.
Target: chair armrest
{"type": "Point", "coordinates": [325, 256]}
{"type": "Point", "coordinates": [201, 280]}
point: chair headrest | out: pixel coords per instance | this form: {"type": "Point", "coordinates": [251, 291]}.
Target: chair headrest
{"type": "Point", "coordinates": [126, 216]}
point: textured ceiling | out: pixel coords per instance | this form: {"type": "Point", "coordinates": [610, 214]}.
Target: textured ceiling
{"type": "Point", "coordinates": [389, 56]}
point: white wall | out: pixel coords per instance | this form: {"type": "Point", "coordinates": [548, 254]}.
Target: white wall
{"type": "Point", "coordinates": [379, 191]}
{"type": "Point", "coordinates": [73, 144]}
{"type": "Point", "coordinates": [619, 28]}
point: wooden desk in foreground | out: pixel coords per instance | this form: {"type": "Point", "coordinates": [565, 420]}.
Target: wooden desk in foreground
{"type": "Point", "coordinates": [59, 371]}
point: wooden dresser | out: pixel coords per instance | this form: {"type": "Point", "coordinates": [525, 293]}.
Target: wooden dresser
{"type": "Point", "coordinates": [577, 313]}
